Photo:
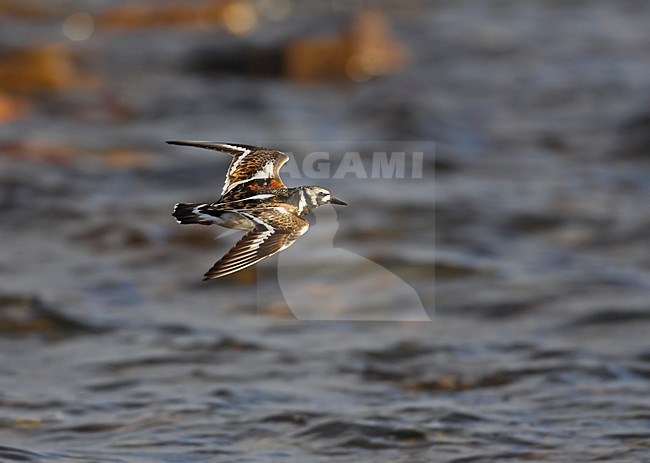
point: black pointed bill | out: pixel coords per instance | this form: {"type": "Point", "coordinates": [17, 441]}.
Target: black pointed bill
{"type": "Point", "coordinates": [338, 201]}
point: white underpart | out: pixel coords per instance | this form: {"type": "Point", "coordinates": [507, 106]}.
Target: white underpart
{"type": "Point", "coordinates": [235, 220]}
{"type": "Point", "coordinates": [266, 172]}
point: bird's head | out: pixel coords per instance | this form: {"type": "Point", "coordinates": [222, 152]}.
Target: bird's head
{"type": "Point", "coordinates": [311, 197]}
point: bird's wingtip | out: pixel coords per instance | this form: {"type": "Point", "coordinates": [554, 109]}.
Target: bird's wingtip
{"type": "Point", "coordinates": [213, 145]}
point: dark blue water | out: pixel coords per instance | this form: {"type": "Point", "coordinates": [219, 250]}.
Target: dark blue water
{"type": "Point", "coordinates": [525, 241]}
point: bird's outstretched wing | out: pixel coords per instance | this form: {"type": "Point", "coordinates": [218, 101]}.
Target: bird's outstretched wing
{"type": "Point", "coordinates": [257, 167]}
{"type": "Point", "coordinates": [275, 229]}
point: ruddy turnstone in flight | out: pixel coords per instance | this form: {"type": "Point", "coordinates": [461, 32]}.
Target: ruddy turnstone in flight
{"type": "Point", "coordinates": [254, 199]}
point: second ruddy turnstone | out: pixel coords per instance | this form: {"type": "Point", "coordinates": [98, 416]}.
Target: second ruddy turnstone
{"type": "Point", "coordinates": [254, 199]}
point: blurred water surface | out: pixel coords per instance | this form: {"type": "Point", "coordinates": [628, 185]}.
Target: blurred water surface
{"type": "Point", "coordinates": [535, 233]}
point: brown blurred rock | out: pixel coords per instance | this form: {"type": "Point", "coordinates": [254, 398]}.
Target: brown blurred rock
{"type": "Point", "coordinates": [11, 108]}
{"type": "Point", "coordinates": [128, 158]}
{"type": "Point", "coordinates": [29, 9]}
{"type": "Point", "coordinates": [192, 236]}
{"type": "Point", "coordinates": [49, 67]}
{"type": "Point", "coordinates": [237, 16]}
{"type": "Point", "coordinates": [21, 314]}
{"type": "Point", "coordinates": [39, 150]}
{"type": "Point", "coordinates": [56, 152]}
{"type": "Point", "coordinates": [445, 382]}
{"type": "Point", "coordinates": [108, 236]}
{"type": "Point", "coordinates": [103, 108]}
{"type": "Point", "coordinates": [365, 50]}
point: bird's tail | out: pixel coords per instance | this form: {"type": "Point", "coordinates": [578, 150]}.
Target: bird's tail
{"type": "Point", "coordinates": [189, 213]}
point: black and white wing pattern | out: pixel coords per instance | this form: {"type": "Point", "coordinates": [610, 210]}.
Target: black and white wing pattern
{"type": "Point", "coordinates": [276, 228]}
{"type": "Point", "coordinates": [255, 167]}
